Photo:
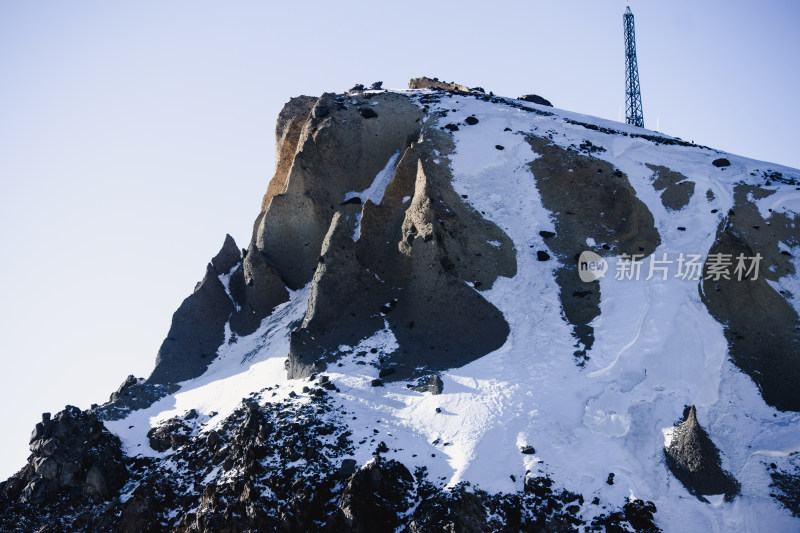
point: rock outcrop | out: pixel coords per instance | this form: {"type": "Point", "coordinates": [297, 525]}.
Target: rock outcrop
{"type": "Point", "coordinates": [198, 326]}
{"type": "Point", "coordinates": [765, 341]}
{"type": "Point", "coordinates": [590, 199]}
{"type": "Point", "coordinates": [433, 83]}
{"type": "Point", "coordinates": [404, 265]}
{"type": "Point", "coordinates": [694, 460]}
{"type": "Point", "coordinates": [73, 459]}
{"type": "Point", "coordinates": [535, 99]}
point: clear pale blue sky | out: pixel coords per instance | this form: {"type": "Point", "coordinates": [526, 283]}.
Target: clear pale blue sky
{"type": "Point", "coordinates": [134, 135]}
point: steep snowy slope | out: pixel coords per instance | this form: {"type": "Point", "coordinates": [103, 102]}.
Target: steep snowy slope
{"type": "Point", "coordinates": [434, 314]}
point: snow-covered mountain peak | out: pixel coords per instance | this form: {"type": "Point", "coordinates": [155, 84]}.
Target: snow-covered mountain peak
{"type": "Point", "coordinates": [461, 310]}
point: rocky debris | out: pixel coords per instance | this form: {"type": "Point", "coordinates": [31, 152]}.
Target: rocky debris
{"type": "Point", "coordinates": [786, 488]}
{"type": "Point", "coordinates": [129, 382]}
{"type": "Point", "coordinates": [170, 434]}
{"type": "Point", "coordinates": [376, 497]}
{"type": "Point", "coordinates": [655, 139]}
{"type": "Point", "coordinates": [535, 99]}
{"type": "Point", "coordinates": [132, 397]}
{"type": "Point", "coordinates": [75, 463]}
{"type": "Point", "coordinates": [721, 162]}
{"type": "Point", "coordinates": [432, 384]}
{"type": "Point", "coordinates": [588, 198]}
{"type": "Point", "coordinates": [765, 341]}
{"type": "Point", "coordinates": [694, 459]}
{"type": "Point", "coordinates": [458, 510]}
{"type": "Point", "coordinates": [677, 189]}
{"type": "Point", "coordinates": [527, 450]}
{"type": "Point", "coordinates": [636, 515]}
{"type": "Point", "coordinates": [268, 467]}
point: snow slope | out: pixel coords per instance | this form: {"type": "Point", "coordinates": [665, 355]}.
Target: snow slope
{"type": "Point", "coordinates": [657, 350]}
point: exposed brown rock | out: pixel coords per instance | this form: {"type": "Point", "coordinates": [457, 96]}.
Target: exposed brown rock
{"type": "Point", "coordinates": [588, 198]}
{"type": "Point", "coordinates": [764, 341]}
{"type": "Point", "coordinates": [257, 289]}
{"type": "Point", "coordinates": [428, 83]}
{"type": "Point", "coordinates": [338, 151]}
{"type": "Point", "coordinates": [677, 189]}
{"type": "Point", "coordinates": [291, 120]}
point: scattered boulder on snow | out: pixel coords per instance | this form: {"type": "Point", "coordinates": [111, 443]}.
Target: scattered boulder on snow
{"type": "Point", "coordinates": [721, 162]}
{"type": "Point", "coordinates": [694, 459]}
{"type": "Point", "coordinates": [535, 99]}
{"type": "Point", "coordinates": [432, 384]}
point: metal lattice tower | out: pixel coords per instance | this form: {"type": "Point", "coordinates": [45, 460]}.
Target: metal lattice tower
{"type": "Point", "coordinates": [633, 94]}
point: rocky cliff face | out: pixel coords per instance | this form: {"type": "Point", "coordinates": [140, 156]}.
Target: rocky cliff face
{"type": "Point", "coordinates": [407, 343]}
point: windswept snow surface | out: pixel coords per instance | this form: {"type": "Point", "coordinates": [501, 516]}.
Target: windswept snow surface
{"type": "Point", "coordinates": [657, 350]}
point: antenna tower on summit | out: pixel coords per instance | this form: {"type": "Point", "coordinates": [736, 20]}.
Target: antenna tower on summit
{"type": "Point", "coordinates": [633, 94]}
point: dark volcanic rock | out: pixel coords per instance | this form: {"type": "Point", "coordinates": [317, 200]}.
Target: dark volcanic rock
{"type": "Point", "coordinates": [535, 99]}
{"type": "Point", "coordinates": [721, 162]}
{"type": "Point", "coordinates": [432, 384]}
{"type": "Point", "coordinates": [375, 497]}
{"type": "Point", "coordinates": [456, 511]}
{"type": "Point", "coordinates": [786, 489]}
{"type": "Point", "coordinates": [198, 326]}
{"type": "Point", "coordinates": [694, 460]}
{"type": "Point", "coordinates": [170, 434]}
{"type": "Point", "coordinates": [73, 457]}
{"type": "Point", "coordinates": [257, 289]}
{"type": "Point", "coordinates": [310, 483]}
{"type": "Point", "coordinates": [228, 256]}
